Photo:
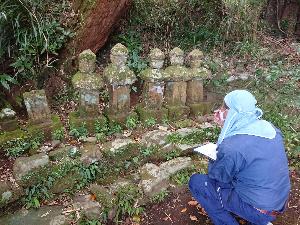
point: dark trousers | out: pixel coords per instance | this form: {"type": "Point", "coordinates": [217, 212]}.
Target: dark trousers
{"type": "Point", "coordinates": [220, 201]}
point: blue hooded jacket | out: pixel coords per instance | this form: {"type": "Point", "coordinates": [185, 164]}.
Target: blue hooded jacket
{"type": "Point", "coordinates": [251, 155]}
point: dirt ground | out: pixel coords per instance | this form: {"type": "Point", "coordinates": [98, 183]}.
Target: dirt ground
{"type": "Point", "coordinates": [180, 209]}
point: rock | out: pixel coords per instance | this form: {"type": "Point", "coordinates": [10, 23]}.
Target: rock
{"type": "Point", "coordinates": [244, 76]}
{"type": "Point", "coordinates": [184, 147]}
{"type": "Point", "coordinates": [103, 195]}
{"type": "Point", "coordinates": [118, 184]}
{"type": "Point", "coordinates": [7, 113]}
{"type": "Point", "coordinates": [46, 215]}
{"type": "Point", "coordinates": [117, 144]}
{"type": "Point", "coordinates": [9, 193]}
{"type": "Point", "coordinates": [91, 139]}
{"type": "Point", "coordinates": [91, 209]}
{"type": "Point", "coordinates": [186, 131]}
{"type": "Point", "coordinates": [90, 153]}
{"type": "Point", "coordinates": [37, 106]}
{"type": "Point", "coordinates": [24, 165]}
{"type": "Point", "coordinates": [231, 78]}
{"type": "Point", "coordinates": [155, 178]}
{"type": "Point", "coordinates": [55, 143]}
{"type": "Point", "coordinates": [58, 154]}
{"type": "Point", "coordinates": [155, 137]}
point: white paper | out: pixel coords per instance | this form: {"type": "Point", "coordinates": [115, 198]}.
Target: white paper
{"type": "Point", "coordinates": [210, 150]}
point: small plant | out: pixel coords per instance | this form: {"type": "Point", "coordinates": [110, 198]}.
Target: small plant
{"type": "Point", "coordinates": [150, 122]}
{"type": "Point", "coordinates": [89, 222]}
{"type": "Point", "coordinates": [115, 128]}
{"type": "Point", "coordinates": [88, 174]}
{"type": "Point", "coordinates": [127, 202]}
{"type": "Point", "coordinates": [101, 127]}
{"type": "Point", "coordinates": [100, 137]}
{"type": "Point", "coordinates": [58, 134]}
{"type": "Point", "coordinates": [147, 151]}
{"type": "Point", "coordinates": [172, 154]}
{"type": "Point", "coordinates": [161, 196]}
{"type": "Point", "coordinates": [80, 132]}
{"type": "Point", "coordinates": [183, 176]}
{"type": "Point", "coordinates": [131, 122]}
{"type": "Point", "coordinates": [16, 147]}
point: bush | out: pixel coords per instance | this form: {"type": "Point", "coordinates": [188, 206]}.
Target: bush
{"type": "Point", "coordinates": [32, 33]}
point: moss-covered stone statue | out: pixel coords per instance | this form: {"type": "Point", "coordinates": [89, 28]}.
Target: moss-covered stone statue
{"type": "Point", "coordinates": [88, 83]}
{"type": "Point", "coordinates": [154, 86]}
{"type": "Point", "coordinates": [119, 78]}
{"type": "Point", "coordinates": [8, 121]}
{"type": "Point", "coordinates": [195, 92]}
{"type": "Point", "coordinates": [175, 93]}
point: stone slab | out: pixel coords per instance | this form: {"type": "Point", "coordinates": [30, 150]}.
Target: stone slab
{"type": "Point", "coordinates": [175, 93]}
{"type": "Point", "coordinates": [179, 112]}
{"type": "Point", "coordinates": [194, 91]}
{"type": "Point", "coordinates": [155, 137]}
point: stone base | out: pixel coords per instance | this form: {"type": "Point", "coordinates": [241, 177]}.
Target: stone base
{"type": "Point", "coordinates": [9, 125]}
{"type": "Point", "coordinates": [76, 120]}
{"type": "Point", "coordinates": [146, 113]}
{"type": "Point", "coordinates": [47, 127]}
{"type": "Point", "coordinates": [120, 117]}
{"type": "Point", "coordinates": [200, 109]}
{"type": "Point", "coordinates": [178, 112]}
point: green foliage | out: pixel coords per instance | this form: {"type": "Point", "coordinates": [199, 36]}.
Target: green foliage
{"type": "Point", "coordinates": [207, 134]}
{"type": "Point", "coordinates": [88, 174]}
{"type": "Point", "coordinates": [39, 192]}
{"type": "Point", "coordinates": [89, 222]}
{"type": "Point", "coordinates": [22, 145]}
{"type": "Point", "coordinates": [148, 151]}
{"type": "Point", "coordinates": [127, 202]}
{"type": "Point", "coordinates": [58, 134]}
{"type": "Point", "coordinates": [101, 127]}
{"type": "Point", "coordinates": [32, 35]}
{"type": "Point", "coordinates": [115, 128]}
{"type": "Point", "coordinates": [182, 177]}
{"type": "Point", "coordinates": [132, 41]}
{"type": "Point", "coordinates": [6, 80]}
{"type": "Point", "coordinates": [131, 122]}
{"type": "Point", "coordinates": [160, 197]}
{"type": "Point", "coordinates": [172, 154]}
{"type": "Point", "coordinates": [150, 122]}
{"type": "Point", "coordinates": [79, 132]}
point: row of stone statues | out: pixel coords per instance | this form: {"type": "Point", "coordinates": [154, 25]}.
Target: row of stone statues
{"type": "Point", "coordinates": [175, 91]}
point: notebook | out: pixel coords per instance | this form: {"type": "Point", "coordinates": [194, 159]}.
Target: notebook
{"type": "Point", "coordinates": [209, 150]}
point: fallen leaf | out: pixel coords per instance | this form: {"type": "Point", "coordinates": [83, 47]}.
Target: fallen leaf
{"type": "Point", "coordinates": [136, 219]}
{"type": "Point", "coordinates": [183, 210]}
{"type": "Point", "coordinates": [193, 203]}
{"type": "Point", "coordinates": [93, 197]}
{"type": "Point", "coordinates": [193, 218]}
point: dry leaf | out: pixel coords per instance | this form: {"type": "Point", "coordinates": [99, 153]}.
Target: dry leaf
{"type": "Point", "coordinates": [183, 210]}
{"type": "Point", "coordinates": [193, 218]}
{"type": "Point", "coordinates": [193, 203]}
{"type": "Point", "coordinates": [93, 197]}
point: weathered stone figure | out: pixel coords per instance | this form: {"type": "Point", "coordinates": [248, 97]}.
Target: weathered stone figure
{"type": "Point", "coordinates": [175, 93]}
{"type": "Point", "coordinates": [119, 78]}
{"type": "Point", "coordinates": [154, 87]}
{"type": "Point", "coordinates": [8, 121]}
{"type": "Point", "coordinates": [88, 83]}
{"type": "Point", "coordinates": [195, 94]}
{"type": "Point", "coordinates": [37, 106]}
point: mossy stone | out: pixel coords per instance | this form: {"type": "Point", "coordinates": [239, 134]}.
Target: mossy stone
{"type": "Point", "coordinates": [116, 76]}
{"type": "Point", "coordinates": [177, 73]}
{"type": "Point", "coordinates": [87, 81]}
{"type": "Point", "coordinates": [200, 109]}
{"type": "Point", "coordinates": [178, 112]}
{"type": "Point", "coordinates": [146, 113]}
{"type": "Point", "coordinates": [153, 75]}
{"type": "Point", "coordinates": [65, 183]}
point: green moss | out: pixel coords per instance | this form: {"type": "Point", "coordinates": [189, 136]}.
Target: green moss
{"type": "Point", "coordinates": [66, 182]}
{"type": "Point", "coordinates": [87, 81]}
{"type": "Point", "coordinates": [145, 113]}
{"type": "Point", "coordinates": [119, 49]}
{"type": "Point", "coordinates": [87, 55]}
{"type": "Point", "coordinates": [153, 75]}
{"type": "Point", "coordinates": [177, 112]}
{"type": "Point", "coordinates": [115, 76]}
{"type": "Point", "coordinates": [200, 109]}
{"type": "Point", "coordinates": [177, 73]}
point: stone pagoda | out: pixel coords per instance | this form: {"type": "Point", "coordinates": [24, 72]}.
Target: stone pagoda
{"type": "Point", "coordinates": [195, 98]}
{"type": "Point", "coordinates": [119, 78]}
{"type": "Point", "coordinates": [154, 88]}
{"type": "Point", "coordinates": [175, 92]}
